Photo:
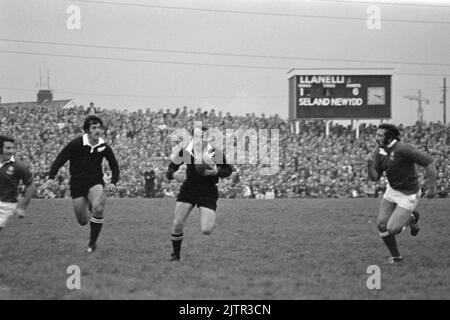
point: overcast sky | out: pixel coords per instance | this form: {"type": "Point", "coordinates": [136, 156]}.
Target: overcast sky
{"type": "Point", "coordinates": [228, 55]}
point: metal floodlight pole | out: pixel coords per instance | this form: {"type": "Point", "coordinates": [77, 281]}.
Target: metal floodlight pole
{"type": "Point", "coordinates": [419, 99]}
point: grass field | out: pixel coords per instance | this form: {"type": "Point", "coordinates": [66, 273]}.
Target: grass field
{"type": "Point", "coordinates": [260, 249]}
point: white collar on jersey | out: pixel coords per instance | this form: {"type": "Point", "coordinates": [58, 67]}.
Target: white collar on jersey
{"type": "Point", "coordinates": [7, 161]}
{"type": "Point", "coordinates": [190, 147]}
{"type": "Point", "coordinates": [86, 142]}
{"type": "Point", "coordinates": [383, 151]}
{"type": "Point", "coordinates": [390, 145]}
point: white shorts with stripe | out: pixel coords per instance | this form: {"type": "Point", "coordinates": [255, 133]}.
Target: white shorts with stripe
{"type": "Point", "coordinates": [6, 211]}
{"type": "Point", "coordinates": [406, 201]}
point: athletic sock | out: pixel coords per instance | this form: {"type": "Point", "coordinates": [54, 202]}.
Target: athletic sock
{"type": "Point", "coordinates": [390, 242]}
{"type": "Point", "coordinates": [96, 227]}
{"type": "Point", "coordinates": [177, 239]}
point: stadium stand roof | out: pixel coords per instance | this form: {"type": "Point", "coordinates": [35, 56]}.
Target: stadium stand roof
{"type": "Point", "coordinates": [57, 104]}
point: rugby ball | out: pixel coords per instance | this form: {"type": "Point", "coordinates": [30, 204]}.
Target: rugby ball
{"type": "Point", "coordinates": [206, 162]}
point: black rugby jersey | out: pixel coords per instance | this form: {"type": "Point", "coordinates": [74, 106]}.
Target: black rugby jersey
{"type": "Point", "coordinates": [86, 161]}
{"type": "Point", "coordinates": [186, 156]}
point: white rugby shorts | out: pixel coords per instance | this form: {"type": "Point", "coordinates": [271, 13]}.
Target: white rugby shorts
{"type": "Point", "coordinates": [6, 211]}
{"type": "Point", "coordinates": [406, 201]}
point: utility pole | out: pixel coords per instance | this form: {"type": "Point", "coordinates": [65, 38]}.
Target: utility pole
{"type": "Point", "coordinates": [48, 79]}
{"type": "Point", "coordinates": [419, 99]}
{"type": "Point", "coordinates": [40, 79]}
{"type": "Point", "coordinates": [444, 98]}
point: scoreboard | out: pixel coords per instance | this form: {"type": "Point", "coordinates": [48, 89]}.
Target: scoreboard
{"type": "Point", "coordinates": [360, 94]}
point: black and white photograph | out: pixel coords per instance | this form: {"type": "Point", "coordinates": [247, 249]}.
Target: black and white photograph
{"type": "Point", "coordinates": [224, 155]}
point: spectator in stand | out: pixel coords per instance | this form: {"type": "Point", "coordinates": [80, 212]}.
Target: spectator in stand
{"type": "Point", "coordinates": [329, 166]}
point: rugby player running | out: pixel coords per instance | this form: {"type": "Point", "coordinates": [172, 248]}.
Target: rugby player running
{"type": "Point", "coordinates": [199, 186]}
{"type": "Point", "coordinates": [397, 208]}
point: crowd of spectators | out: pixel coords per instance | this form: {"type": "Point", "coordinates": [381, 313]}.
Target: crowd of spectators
{"type": "Point", "coordinates": [311, 164]}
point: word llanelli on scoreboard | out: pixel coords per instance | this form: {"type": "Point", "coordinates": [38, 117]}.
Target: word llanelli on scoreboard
{"type": "Point", "coordinates": [321, 79]}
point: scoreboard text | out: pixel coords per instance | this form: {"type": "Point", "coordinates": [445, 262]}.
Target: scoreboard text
{"type": "Point", "coordinates": [340, 96]}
